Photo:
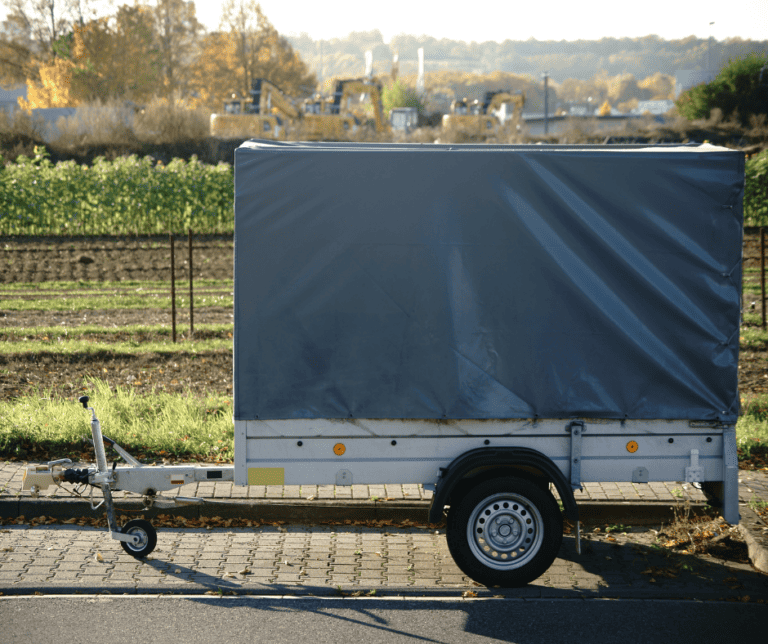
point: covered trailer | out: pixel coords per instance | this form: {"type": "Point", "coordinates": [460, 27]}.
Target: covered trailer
{"type": "Point", "coordinates": [491, 322]}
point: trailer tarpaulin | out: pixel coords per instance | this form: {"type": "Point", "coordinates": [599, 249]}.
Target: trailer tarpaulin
{"type": "Point", "coordinates": [450, 281]}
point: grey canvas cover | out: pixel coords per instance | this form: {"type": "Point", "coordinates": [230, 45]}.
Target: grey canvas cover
{"type": "Point", "coordinates": [449, 281]}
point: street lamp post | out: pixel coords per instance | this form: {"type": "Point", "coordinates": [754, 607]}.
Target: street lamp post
{"type": "Point", "coordinates": [546, 101]}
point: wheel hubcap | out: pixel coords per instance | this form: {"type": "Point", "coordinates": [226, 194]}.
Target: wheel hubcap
{"type": "Point", "coordinates": [140, 535]}
{"type": "Point", "coordinates": [505, 531]}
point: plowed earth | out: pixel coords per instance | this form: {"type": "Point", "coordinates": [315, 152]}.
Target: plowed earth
{"type": "Point", "coordinates": [37, 260]}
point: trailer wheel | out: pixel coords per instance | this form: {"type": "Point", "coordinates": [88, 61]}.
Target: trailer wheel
{"type": "Point", "coordinates": [147, 538]}
{"type": "Point", "coordinates": [505, 532]}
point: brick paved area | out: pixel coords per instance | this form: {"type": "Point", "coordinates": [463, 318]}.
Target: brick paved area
{"type": "Point", "coordinates": [324, 559]}
{"type": "Point", "coordinates": [328, 560]}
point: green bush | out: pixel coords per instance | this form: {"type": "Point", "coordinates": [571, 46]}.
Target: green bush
{"type": "Point", "coordinates": [740, 90]}
{"type": "Point", "coordinates": [400, 95]}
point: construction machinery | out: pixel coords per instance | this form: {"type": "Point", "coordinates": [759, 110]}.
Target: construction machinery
{"type": "Point", "coordinates": [257, 117]}
{"type": "Point", "coordinates": [270, 114]}
{"type": "Point", "coordinates": [478, 121]}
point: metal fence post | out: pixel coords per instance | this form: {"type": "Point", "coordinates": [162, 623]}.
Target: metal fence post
{"type": "Point", "coordinates": [173, 291]}
{"type": "Point", "coordinates": [762, 271]}
{"type": "Point", "coordinates": [191, 292]}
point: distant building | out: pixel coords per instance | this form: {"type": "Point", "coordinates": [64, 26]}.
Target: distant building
{"type": "Point", "coordinates": [534, 123]}
{"type": "Point", "coordinates": [687, 78]}
{"type": "Point", "coordinates": [657, 108]}
{"type": "Point", "coordinates": [9, 97]}
{"type": "Point", "coordinates": [404, 119]}
{"type": "Point", "coordinates": [581, 109]}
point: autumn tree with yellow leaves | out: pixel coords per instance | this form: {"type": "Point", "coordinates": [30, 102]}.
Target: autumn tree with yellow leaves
{"type": "Point", "coordinates": [140, 52]}
{"type": "Point", "coordinates": [100, 60]}
{"type": "Point", "coordinates": [245, 48]}
{"type": "Point", "coordinates": [143, 52]}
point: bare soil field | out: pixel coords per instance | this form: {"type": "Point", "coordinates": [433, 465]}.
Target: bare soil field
{"type": "Point", "coordinates": [36, 260]}
{"type": "Point", "coordinates": [45, 259]}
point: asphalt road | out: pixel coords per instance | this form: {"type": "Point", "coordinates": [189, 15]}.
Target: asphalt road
{"type": "Point", "coordinates": [193, 620]}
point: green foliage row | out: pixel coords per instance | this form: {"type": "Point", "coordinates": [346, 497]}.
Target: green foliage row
{"type": "Point", "coordinates": [133, 196]}
{"type": "Point", "coordinates": [756, 190]}
{"type": "Point", "coordinates": [127, 196]}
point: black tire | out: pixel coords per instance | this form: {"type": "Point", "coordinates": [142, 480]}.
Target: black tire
{"type": "Point", "coordinates": [505, 532]}
{"type": "Point", "coordinates": [147, 538]}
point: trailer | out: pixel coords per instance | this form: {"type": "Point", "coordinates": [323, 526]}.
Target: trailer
{"type": "Point", "coordinates": [493, 322]}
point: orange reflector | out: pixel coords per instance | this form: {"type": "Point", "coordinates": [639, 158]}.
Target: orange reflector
{"type": "Point", "coordinates": [632, 446]}
{"type": "Point", "coordinates": [339, 449]}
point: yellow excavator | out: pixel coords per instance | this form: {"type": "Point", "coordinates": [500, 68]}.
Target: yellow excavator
{"type": "Point", "coordinates": [271, 114]}
{"type": "Point", "coordinates": [260, 117]}
{"type": "Point", "coordinates": [482, 120]}
{"type": "Point", "coordinates": [335, 118]}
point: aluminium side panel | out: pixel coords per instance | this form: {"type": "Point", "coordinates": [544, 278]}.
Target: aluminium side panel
{"type": "Point", "coordinates": [498, 282]}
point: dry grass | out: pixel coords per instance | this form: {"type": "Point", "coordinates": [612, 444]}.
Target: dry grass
{"type": "Point", "coordinates": [19, 134]}
{"type": "Point", "coordinates": [96, 124]}
{"type": "Point", "coordinates": [163, 121]}
{"type": "Point", "coordinates": [706, 533]}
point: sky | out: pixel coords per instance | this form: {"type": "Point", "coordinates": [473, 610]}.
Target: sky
{"type": "Point", "coordinates": [506, 19]}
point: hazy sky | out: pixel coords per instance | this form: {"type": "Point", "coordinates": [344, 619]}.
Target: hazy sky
{"type": "Point", "coordinates": [506, 19]}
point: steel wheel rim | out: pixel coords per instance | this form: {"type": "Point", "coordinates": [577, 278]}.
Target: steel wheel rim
{"type": "Point", "coordinates": [505, 531]}
{"type": "Point", "coordinates": [143, 539]}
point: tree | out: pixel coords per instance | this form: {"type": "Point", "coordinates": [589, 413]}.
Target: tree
{"type": "Point", "coordinates": [54, 88]}
{"type": "Point", "coordinates": [102, 59]}
{"type": "Point", "coordinates": [136, 58]}
{"type": "Point", "coordinates": [739, 90]}
{"type": "Point", "coordinates": [177, 34]}
{"type": "Point", "coordinates": [400, 95]}
{"type": "Point", "coordinates": [17, 60]}
{"type": "Point", "coordinates": [658, 86]}
{"type": "Point", "coordinates": [47, 20]}
{"type": "Point", "coordinates": [247, 47]}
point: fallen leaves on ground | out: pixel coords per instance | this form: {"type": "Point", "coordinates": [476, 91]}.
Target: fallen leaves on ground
{"type": "Point", "coordinates": [171, 521]}
{"type": "Point", "coordinates": [703, 534]}
{"type": "Point", "coordinates": [657, 571]}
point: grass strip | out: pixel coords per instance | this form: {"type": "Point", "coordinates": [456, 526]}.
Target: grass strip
{"type": "Point", "coordinates": [130, 339]}
{"type": "Point", "coordinates": [61, 346]}
{"type": "Point", "coordinates": [150, 426]}
{"type": "Point", "coordinates": [754, 338]}
{"type": "Point", "coordinates": [101, 286]}
{"type": "Point", "coordinates": [115, 301]}
{"type": "Point", "coordinates": [752, 428]}
{"type": "Point", "coordinates": [15, 334]}
{"type": "Point", "coordinates": [190, 425]}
